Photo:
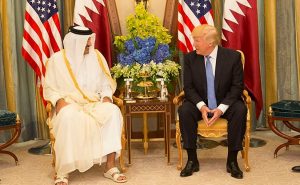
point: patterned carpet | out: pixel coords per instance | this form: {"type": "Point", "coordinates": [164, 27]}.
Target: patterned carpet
{"type": "Point", "coordinates": [152, 169]}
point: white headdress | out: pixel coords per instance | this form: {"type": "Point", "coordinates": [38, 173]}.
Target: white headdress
{"type": "Point", "coordinates": [75, 42]}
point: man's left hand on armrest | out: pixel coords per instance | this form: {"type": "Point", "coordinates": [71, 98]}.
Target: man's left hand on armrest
{"type": "Point", "coordinates": [106, 99]}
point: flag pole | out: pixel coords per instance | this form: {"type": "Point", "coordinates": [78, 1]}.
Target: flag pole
{"type": "Point", "coordinates": [42, 129]}
{"type": "Point", "coordinates": [41, 38]}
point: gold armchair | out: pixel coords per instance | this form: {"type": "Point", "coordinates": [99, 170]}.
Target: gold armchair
{"type": "Point", "coordinates": [218, 129]}
{"type": "Point", "coordinates": [49, 111]}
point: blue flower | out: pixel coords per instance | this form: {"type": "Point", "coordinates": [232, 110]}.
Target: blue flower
{"type": "Point", "coordinates": [125, 59]}
{"type": "Point", "coordinates": [148, 43]}
{"type": "Point", "coordinates": [139, 42]}
{"type": "Point", "coordinates": [129, 45]}
{"type": "Point", "coordinates": [142, 56]}
{"type": "Point", "coordinates": [143, 51]}
{"type": "Point", "coordinates": [162, 53]}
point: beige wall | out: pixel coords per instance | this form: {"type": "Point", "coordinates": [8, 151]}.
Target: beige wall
{"type": "Point", "coordinates": [126, 7]}
{"type": "Point", "coordinates": [157, 7]}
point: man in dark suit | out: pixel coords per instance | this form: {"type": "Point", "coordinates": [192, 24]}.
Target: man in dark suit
{"type": "Point", "coordinates": [213, 85]}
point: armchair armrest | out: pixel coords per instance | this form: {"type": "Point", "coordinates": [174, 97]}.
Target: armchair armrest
{"type": "Point", "coordinates": [246, 97]}
{"type": "Point", "coordinates": [177, 100]}
{"type": "Point", "coordinates": [247, 100]}
{"type": "Point", "coordinates": [49, 109]}
{"type": "Point", "coordinates": [117, 101]}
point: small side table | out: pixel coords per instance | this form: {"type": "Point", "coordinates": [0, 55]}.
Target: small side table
{"type": "Point", "coordinates": [10, 121]}
{"type": "Point", "coordinates": [286, 112]}
{"type": "Point", "coordinates": [144, 107]}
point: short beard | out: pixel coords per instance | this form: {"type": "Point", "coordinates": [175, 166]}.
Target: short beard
{"type": "Point", "coordinates": [86, 51]}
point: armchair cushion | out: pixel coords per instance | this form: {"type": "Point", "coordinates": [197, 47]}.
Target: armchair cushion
{"type": "Point", "coordinates": [286, 108]}
{"type": "Point", "coordinates": [7, 118]}
{"type": "Point", "coordinates": [218, 129]}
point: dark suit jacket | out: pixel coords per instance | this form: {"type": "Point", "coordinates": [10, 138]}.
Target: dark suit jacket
{"type": "Point", "coordinates": [228, 77]}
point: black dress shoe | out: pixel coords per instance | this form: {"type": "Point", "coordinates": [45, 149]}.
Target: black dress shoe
{"type": "Point", "coordinates": [189, 168]}
{"type": "Point", "coordinates": [234, 169]}
{"type": "Point", "coordinates": [296, 169]}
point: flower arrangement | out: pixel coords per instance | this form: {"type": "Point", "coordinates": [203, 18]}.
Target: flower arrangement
{"type": "Point", "coordinates": [145, 50]}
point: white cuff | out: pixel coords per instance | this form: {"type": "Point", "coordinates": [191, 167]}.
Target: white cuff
{"type": "Point", "coordinates": [223, 107]}
{"type": "Point", "coordinates": [200, 104]}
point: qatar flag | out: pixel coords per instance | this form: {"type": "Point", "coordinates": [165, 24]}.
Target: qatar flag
{"type": "Point", "coordinates": [93, 14]}
{"type": "Point", "coordinates": [240, 32]}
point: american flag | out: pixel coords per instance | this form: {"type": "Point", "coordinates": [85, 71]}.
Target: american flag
{"type": "Point", "coordinates": [42, 35]}
{"type": "Point", "coordinates": [192, 13]}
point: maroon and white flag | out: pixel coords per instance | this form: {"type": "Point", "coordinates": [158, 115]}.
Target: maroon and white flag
{"type": "Point", "coordinates": [93, 14]}
{"type": "Point", "coordinates": [240, 32]}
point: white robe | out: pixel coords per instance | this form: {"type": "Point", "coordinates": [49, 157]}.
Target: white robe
{"type": "Point", "coordinates": [86, 130]}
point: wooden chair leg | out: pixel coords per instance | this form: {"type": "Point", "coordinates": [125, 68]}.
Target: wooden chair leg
{"type": "Point", "coordinates": [121, 159]}
{"type": "Point", "coordinates": [52, 142]}
{"type": "Point", "coordinates": [52, 150]}
{"type": "Point", "coordinates": [246, 152]}
{"type": "Point", "coordinates": [179, 148]}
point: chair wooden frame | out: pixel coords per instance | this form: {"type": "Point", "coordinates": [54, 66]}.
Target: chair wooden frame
{"type": "Point", "coordinates": [15, 135]}
{"type": "Point", "coordinates": [218, 129]}
{"type": "Point", "coordinates": [116, 101]}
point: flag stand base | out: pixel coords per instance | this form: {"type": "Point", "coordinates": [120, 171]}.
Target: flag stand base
{"type": "Point", "coordinates": [44, 149]}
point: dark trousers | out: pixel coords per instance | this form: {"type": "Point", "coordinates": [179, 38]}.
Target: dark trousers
{"type": "Point", "coordinates": [189, 115]}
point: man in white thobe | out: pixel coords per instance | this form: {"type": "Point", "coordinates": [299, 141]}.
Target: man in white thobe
{"type": "Point", "coordinates": [86, 124]}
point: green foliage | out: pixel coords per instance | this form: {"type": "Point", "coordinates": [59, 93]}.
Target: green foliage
{"type": "Point", "coordinates": [143, 24]}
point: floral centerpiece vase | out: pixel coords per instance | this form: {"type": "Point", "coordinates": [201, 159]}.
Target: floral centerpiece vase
{"type": "Point", "coordinates": [144, 54]}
